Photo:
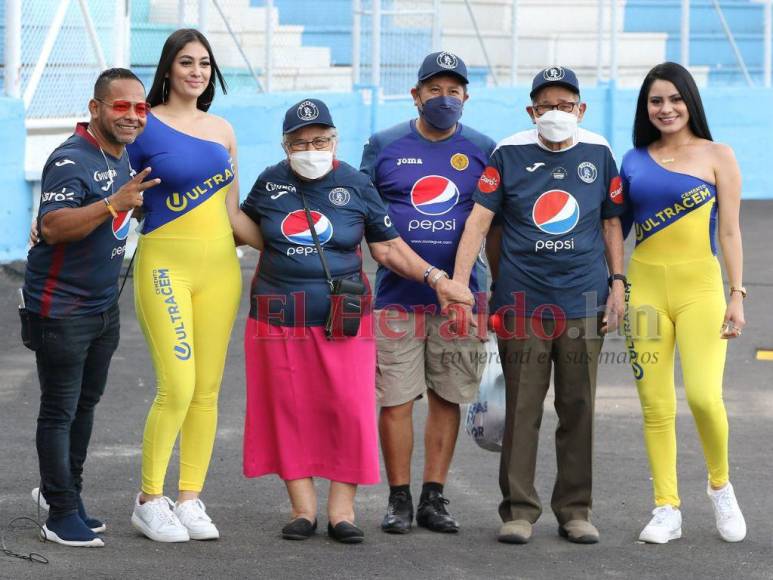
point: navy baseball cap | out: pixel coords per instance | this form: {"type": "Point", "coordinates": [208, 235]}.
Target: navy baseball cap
{"type": "Point", "coordinates": [306, 112]}
{"type": "Point", "coordinates": [555, 75]}
{"type": "Point", "coordinates": [443, 63]}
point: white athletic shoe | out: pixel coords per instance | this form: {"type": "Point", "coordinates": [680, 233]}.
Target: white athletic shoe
{"type": "Point", "coordinates": [37, 497]}
{"type": "Point", "coordinates": [156, 520]}
{"type": "Point", "coordinates": [731, 524]}
{"type": "Point", "coordinates": [193, 515]}
{"type": "Point", "coordinates": [665, 525]}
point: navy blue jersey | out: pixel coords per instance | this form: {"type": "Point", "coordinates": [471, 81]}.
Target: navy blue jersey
{"type": "Point", "coordinates": [551, 206]}
{"type": "Point", "coordinates": [344, 206]}
{"type": "Point", "coordinates": [428, 187]}
{"type": "Point", "coordinates": [78, 278]}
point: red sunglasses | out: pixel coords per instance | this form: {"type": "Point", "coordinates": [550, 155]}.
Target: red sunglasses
{"type": "Point", "coordinates": [121, 106]}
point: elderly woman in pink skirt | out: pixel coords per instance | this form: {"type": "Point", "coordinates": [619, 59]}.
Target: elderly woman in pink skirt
{"type": "Point", "coordinates": [311, 390]}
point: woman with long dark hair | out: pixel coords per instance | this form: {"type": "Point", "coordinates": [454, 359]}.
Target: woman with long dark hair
{"type": "Point", "coordinates": [683, 190]}
{"type": "Point", "coordinates": [187, 281]}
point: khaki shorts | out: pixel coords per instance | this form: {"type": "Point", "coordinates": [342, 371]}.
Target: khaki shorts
{"type": "Point", "coordinates": [412, 357]}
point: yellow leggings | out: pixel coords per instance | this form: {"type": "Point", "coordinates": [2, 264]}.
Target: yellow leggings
{"type": "Point", "coordinates": [679, 305]}
{"type": "Point", "coordinates": [186, 296]}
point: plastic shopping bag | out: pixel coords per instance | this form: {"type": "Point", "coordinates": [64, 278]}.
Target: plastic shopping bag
{"type": "Point", "coordinates": [485, 421]}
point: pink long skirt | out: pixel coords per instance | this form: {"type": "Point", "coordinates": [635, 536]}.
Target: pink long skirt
{"type": "Point", "coordinates": [311, 404]}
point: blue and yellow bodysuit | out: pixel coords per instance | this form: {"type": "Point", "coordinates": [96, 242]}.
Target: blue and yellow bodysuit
{"type": "Point", "coordinates": [676, 299]}
{"type": "Point", "coordinates": [187, 284]}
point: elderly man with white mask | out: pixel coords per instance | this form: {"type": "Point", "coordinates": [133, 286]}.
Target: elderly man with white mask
{"type": "Point", "coordinates": [559, 288]}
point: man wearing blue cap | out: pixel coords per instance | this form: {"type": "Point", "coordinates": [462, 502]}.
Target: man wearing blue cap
{"type": "Point", "coordinates": [559, 288]}
{"type": "Point", "coordinates": [425, 170]}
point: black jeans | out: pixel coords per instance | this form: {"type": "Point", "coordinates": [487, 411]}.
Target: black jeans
{"type": "Point", "coordinates": [72, 359]}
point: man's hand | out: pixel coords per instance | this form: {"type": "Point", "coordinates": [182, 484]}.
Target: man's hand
{"type": "Point", "coordinates": [456, 301]}
{"type": "Point", "coordinates": [615, 309]}
{"type": "Point", "coordinates": [34, 234]}
{"type": "Point", "coordinates": [450, 291]}
{"type": "Point", "coordinates": [129, 195]}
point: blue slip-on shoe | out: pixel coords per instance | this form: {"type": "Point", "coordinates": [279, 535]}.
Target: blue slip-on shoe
{"type": "Point", "coordinates": [94, 524]}
{"type": "Point", "coordinates": [70, 531]}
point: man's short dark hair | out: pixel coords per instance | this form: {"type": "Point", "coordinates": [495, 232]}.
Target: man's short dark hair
{"type": "Point", "coordinates": [540, 90]}
{"type": "Point", "coordinates": [420, 84]}
{"type": "Point", "coordinates": [108, 76]}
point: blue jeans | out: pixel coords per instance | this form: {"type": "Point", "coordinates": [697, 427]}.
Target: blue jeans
{"type": "Point", "coordinates": [72, 359]}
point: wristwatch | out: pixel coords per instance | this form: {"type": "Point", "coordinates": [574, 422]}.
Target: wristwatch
{"type": "Point", "coordinates": [621, 277]}
{"type": "Point", "coordinates": [436, 278]}
{"type": "Point", "coordinates": [740, 289]}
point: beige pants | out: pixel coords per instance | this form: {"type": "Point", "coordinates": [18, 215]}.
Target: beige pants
{"type": "Point", "coordinates": [413, 355]}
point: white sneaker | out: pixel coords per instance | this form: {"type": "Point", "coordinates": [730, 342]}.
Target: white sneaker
{"type": "Point", "coordinates": [665, 525]}
{"type": "Point", "coordinates": [156, 520]}
{"type": "Point", "coordinates": [731, 524]}
{"type": "Point", "coordinates": [37, 497]}
{"type": "Point", "coordinates": [193, 515]}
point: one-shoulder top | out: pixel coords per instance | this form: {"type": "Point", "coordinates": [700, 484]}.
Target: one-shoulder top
{"type": "Point", "coordinates": [196, 175]}
{"type": "Point", "coordinates": [674, 214]}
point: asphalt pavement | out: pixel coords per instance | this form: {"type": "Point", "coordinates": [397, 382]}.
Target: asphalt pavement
{"type": "Point", "coordinates": [250, 512]}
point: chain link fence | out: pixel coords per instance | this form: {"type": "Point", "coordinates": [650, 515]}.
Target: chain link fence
{"type": "Point", "coordinates": [64, 45]}
{"type": "Point", "coordinates": [301, 45]}
{"type": "Point", "coordinates": [256, 50]}
{"type": "Point", "coordinates": [407, 31]}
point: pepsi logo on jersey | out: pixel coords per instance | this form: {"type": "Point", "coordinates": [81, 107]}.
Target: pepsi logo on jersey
{"type": "Point", "coordinates": [121, 224]}
{"type": "Point", "coordinates": [433, 195]}
{"type": "Point", "coordinates": [556, 212]}
{"type": "Point", "coordinates": [295, 228]}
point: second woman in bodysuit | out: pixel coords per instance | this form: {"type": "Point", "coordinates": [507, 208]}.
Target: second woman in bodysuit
{"type": "Point", "coordinates": [684, 189]}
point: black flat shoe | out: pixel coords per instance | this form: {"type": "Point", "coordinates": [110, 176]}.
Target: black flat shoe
{"type": "Point", "coordinates": [433, 515]}
{"type": "Point", "coordinates": [299, 529]}
{"type": "Point", "coordinates": [399, 514]}
{"type": "Point", "coordinates": [345, 533]}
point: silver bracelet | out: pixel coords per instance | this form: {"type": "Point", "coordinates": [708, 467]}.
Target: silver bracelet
{"type": "Point", "coordinates": [436, 278]}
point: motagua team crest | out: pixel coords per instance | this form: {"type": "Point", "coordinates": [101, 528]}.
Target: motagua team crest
{"type": "Point", "coordinates": [460, 161]}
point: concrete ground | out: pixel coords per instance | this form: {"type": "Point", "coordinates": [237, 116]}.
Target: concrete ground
{"type": "Point", "coordinates": [250, 513]}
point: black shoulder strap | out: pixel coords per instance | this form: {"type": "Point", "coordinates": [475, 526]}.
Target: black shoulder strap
{"type": "Point", "coordinates": [314, 235]}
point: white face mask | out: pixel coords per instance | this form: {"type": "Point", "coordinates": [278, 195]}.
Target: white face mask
{"type": "Point", "coordinates": [557, 126]}
{"type": "Point", "coordinates": [311, 164]}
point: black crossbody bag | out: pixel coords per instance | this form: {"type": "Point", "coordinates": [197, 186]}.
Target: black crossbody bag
{"type": "Point", "coordinates": [345, 294]}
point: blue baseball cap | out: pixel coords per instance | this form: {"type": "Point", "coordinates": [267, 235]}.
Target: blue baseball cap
{"type": "Point", "coordinates": [443, 63]}
{"type": "Point", "coordinates": [306, 112]}
{"type": "Point", "coordinates": [555, 75]}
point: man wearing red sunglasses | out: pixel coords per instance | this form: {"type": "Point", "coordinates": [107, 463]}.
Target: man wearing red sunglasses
{"type": "Point", "coordinates": [70, 312]}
